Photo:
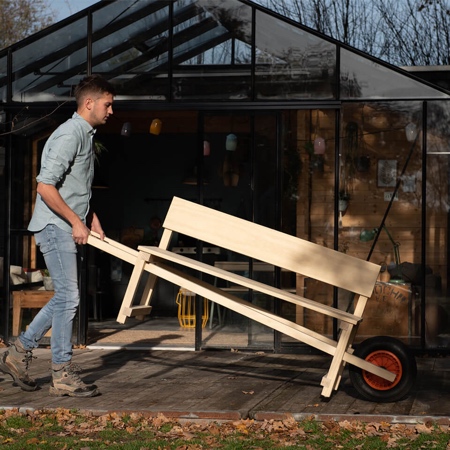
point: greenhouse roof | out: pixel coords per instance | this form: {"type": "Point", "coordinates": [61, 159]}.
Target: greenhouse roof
{"type": "Point", "coordinates": [197, 51]}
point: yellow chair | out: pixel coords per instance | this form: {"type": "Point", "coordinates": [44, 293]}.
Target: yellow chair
{"type": "Point", "coordinates": [186, 309]}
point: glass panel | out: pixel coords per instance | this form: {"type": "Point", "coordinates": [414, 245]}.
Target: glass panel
{"type": "Point", "coordinates": [228, 189]}
{"type": "Point", "coordinates": [266, 206]}
{"type": "Point", "coordinates": [212, 53]}
{"type": "Point", "coordinates": [437, 309]}
{"type": "Point", "coordinates": [363, 78]}
{"type": "Point", "coordinates": [308, 140]}
{"type": "Point", "coordinates": [291, 63]}
{"type": "Point", "coordinates": [380, 160]}
{"type": "Point", "coordinates": [47, 68]}
{"type": "Point", "coordinates": [130, 45]}
{"type": "Point", "coordinates": [3, 78]}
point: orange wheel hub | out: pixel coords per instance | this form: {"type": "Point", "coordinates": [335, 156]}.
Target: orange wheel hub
{"type": "Point", "coordinates": [388, 361]}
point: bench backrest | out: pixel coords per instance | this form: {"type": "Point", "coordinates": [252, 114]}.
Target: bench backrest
{"type": "Point", "coordinates": [271, 246]}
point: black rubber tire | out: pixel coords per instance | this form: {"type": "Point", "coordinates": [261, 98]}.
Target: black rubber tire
{"type": "Point", "coordinates": [391, 354]}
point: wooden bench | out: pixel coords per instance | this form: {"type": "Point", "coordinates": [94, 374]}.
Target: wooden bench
{"type": "Point", "coordinates": [263, 245]}
{"type": "Point", "coordinates": [239, 266]}
{"type": "Point", "coordinates": [32, 299]}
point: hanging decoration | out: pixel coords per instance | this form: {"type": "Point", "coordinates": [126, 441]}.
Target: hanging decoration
{"type": "Point", "coordinates": [319, 141]}
{"type": "Point", "coordinates": [155, 127]}
{"type": "Point", "coordinates": [411, 132]}
{"type": "Point", "coordinates": [319, 146]}
{"type": "Point", "coordinates": [206, 148]}
{"type": "Point", "coordinates": [231, 142]}
{"type": "Point", "coordinates": [126, 129]}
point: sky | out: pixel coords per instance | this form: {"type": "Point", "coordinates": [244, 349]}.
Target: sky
{"type": "Point", "coordinates": [65, 8]}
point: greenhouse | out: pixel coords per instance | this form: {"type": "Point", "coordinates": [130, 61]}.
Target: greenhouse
{"type": "Point", "coordinates": [227, 104]}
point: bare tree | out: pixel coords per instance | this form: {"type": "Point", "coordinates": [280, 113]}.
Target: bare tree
{"type": "Point", "coordinates": [353, 22]}
{"type": "Point", "coordinates": [21, 18]}
{"type": "Point", "coordinates": [402, 32]}
{"type": "Point", "coordinates": [419, 34]}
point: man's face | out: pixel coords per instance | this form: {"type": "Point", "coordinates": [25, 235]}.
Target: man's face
{"type": "Point", "coordinates": [99, 109]}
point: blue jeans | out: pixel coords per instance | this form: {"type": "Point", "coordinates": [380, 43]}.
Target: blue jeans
{"type": "Point", "coordinates": [60, 255]}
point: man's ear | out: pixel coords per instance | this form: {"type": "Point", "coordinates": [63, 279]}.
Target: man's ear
{"type": "Point", "coordinates": [88, 103]}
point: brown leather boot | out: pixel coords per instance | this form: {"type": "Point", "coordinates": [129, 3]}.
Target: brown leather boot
{"type": "Point", "coordinates": [66, 381]}
{"type": "Point", "coordinates": [15, 362]}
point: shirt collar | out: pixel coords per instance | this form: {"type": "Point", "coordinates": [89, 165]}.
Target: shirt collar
{"type": "Point", "coordinates": [91, 131]}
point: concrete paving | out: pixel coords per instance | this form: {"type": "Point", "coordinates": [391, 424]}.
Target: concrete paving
{"type": "Point", "coordinates": [228, 385]}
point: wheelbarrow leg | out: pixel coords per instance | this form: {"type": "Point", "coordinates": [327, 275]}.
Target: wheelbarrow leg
{"type": "Point", "coordinates": [126, 308]}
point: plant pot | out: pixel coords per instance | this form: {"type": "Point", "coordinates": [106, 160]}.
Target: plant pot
{"type": "Point", "coordinates": [48, 284]}
{"type": "Point", "coordinates": [343, 205]}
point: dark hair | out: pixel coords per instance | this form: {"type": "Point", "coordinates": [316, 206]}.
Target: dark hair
{"type": "Point", "coordinates": [93, 84]}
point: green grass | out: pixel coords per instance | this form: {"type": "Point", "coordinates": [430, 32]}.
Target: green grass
{"type": "Point", "coordinates": [73, 430]}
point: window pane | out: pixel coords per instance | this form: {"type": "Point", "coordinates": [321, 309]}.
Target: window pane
{"type": "Point", "coordinates": [291, 63]}
{"type": "Point", "coordinates": [437, 309]}
{"type": "Point", "coordinates": [380, 160]}
{"type": "Point", "coordinates": [47, 68]}
{"type": "Point", "coordinates": [3, 78]}
{"type": "Point", "coordinates": [130, 47]}
{"type": "Point", "coordinates": [309, 175]}
{"type": "Point", "coordinates": [212, 53]}
{"type": "Point", "coordinates": [363, 78]}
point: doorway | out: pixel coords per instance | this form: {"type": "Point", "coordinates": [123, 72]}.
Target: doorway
{"type": "Point", "coordinates": [232, 164]}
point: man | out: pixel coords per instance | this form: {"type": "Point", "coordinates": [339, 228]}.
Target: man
{"type": "Point", "coordinates": [60, 221]}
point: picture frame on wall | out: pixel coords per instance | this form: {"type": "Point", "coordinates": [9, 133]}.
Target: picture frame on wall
{"type": "Point", "coordinates": [387, 173]}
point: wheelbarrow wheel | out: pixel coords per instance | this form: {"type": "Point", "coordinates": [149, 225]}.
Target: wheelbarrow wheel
{"type": "Point", "coordinates": [391, 354]}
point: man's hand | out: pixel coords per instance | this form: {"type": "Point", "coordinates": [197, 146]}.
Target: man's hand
{"type": "Point", "coordinates": [97, 227]}
{"type": "Point", "coordinates": [80, 233]}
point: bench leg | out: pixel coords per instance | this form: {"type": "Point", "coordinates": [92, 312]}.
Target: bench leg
{"type": "Point", "coordinates": [148, 292]}
{"type": "Point", "coordinates": [133, 284]}
{"type": "Point", "coordinates": [331, 380]}
{"type": "Point", "coordinates": [17, 316]}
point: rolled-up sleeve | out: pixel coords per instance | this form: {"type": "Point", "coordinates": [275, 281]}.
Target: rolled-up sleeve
{"type": "Point", "coordinates": [58, 157]}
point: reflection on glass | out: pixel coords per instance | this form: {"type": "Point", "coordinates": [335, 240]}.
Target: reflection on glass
{"type": "Point", "coordinates": [136, 37]}
{"type": "Point", "coordinates": [46, 65]}
{"type": "Point", "coordinates": [212, 53]}
{"type": "Point", "coordinates": [292, 63]}
{"type": "Point", "coordinates": [361, 78]}
{"type": "Point", "coordinates": [438, 131]}
{"type": "Point", "coordinates": [384, 192]}
{"type": "Point", "coordinates": [3, 78]}
{"type": "Point", "coordinates": [437, 310]}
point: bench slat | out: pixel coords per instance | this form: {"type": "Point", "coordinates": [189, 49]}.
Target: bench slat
{"type": "Point", "coordinates": [261, 315]}
{"type": "Point", "coordinates": [271, 246]}
{"type": "Point", "coordinates": [251, 284]}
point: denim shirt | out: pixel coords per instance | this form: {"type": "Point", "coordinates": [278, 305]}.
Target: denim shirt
{"type": "Point", "coordinates": [68, 164]}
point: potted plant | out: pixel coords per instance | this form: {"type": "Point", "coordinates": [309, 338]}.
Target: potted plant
{"type": "Point", "coordinates": [48, 283]}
